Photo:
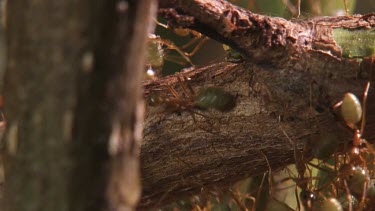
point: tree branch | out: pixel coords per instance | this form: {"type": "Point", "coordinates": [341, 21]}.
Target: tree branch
{"type": "Point", "coordinates": [178, 157]}
{"type": "Point", "coordinates": [263, 39]}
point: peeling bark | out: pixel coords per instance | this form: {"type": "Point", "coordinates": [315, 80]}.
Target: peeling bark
{"type": "Point", "coordinates": [263, 39]}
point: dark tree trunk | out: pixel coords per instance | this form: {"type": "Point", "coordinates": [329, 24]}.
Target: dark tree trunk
{"type": "Point", "coordinates": [45, 41]}
{"type": "Point", "coordinates": [72, 87]}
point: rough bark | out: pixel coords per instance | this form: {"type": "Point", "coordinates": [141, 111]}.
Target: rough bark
{"type": "Point", "coordinates": [263, 39]}
{"type": "Point", "coordinates": [72, 84]}
{"type": "Point", "coordinates": [290, 82]}
{"type": "Point", "coordinates": [110, 108]}
{"type": "Point", "coordinates": [180, 158]}
{"type": "Point", "coordinates": [44, 46]}
{"type": "Point", "coordinates": [126, 102]}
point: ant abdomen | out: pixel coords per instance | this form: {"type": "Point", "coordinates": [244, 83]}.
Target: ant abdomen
{"type": "Point", "coordinates": [331, 204]}
{"type": "Point", "coordinates": [351, 109]}
{"type": "Point", "coordinates": [216, 98]}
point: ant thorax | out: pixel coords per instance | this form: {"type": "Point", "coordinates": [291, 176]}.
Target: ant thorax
{"type": "Point", "coordinates": [170, 102]}
{"type": "Point", "coordinates": [207, 97]}
{"type": "Point", "coordinates": [194, 104]}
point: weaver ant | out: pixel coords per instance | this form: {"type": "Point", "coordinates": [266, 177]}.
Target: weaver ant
{"type": "Point", "coordinates": [158, 47]}
{"type": "Point", "coordinates": [207, 98]}
{"type": "Point", "coordinates": [313, 194]}
{"type": "Point", "coordinates": [198, 39]}
{"type": "Point", "coordinates": [352, 178]}
{"type": "Point", "coordinates": [355, 175]}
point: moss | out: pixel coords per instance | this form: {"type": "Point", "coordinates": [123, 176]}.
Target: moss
{"type": "Point", "coordinates": [355, 43]}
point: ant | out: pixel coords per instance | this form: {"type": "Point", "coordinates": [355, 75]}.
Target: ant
{"type": "Point", "coordinates": [356, 174]}
{"type": "Point", "coordinates": [307, 195]}
{"type": "Point", "coordinates": [159, 52]}
{"type": "Point", "coordinates": [353, 177]}
{"type": "Point", "coordinates": [312, 194]}
{"type": "Point", "coordinates": [158, 46]}
{"type": "Point", "coordinates": [184, 32]}
{"type": "Point", "coordinates": [207, 98]}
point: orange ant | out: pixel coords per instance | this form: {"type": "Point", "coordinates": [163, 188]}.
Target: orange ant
{"type": "Point", "coordinates": [175, 103]}
{"type": "Point", "coordinates": [311, 190]}
{"type": "Point", "coordinates": [354, 116]}
{"type": "Point", "coordinates": [170, 45]}
{"type": "Point", "coordinates": [207, 98]}
{"type": "Point", "coordinates": [197, 39]}
{"type": "Point", "coordinates": [301, 181]}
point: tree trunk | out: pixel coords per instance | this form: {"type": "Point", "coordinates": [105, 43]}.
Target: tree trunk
{"type": "Point", "coordinates": [45, 41]}
{"type": "Point", "coordinates": [72, 87]}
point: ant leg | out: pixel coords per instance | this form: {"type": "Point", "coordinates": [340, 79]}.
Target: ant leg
{"type": "Point", "coordinates": [337, 105]}
{"type": "Point", "coordinates": [189, 87]}
{"type": "Point", "coordinates": [364, 101]}
{"type": "Point", "coordinates": [173, 91]}
{"type": "Point", "coordinates": [269, 174]}
{"type": "Point", "coordinates": [192, 113]}
{"type": "Point", "coordinates": [253, 207]}
{"type": "Point", "coordinates": [197, 47]}
{"type": "Point", "coordinates": [238, 202]}
{"type": "Point", "coordinates": [172, 46]}
{"type": "Point", "coordinates": [322, 169]}
{"type": "Point", "coordinates": [363, 197]}
{"type": "Point", "coordinates": [184, 88]}
{"type": "Point", "coordinates": [297, 197]}
{"type": "Point", "coordinates": [348, 196]}
{"type": "Point", "coordinates": [300, 166]}
{"type": "Point", "coordinates": [368, 146]}
{"type": "Point", "coordinates": [175, 59]}
{"type": "Point", "coordinates": [161, 24]}
{"type": "Point", "coordinates": [298, 8]}
{"type": "Point", "coordinates": [191, 42]}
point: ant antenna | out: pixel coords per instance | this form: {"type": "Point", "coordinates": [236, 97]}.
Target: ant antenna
{"type": "Point", "coordinates": [363, 122]}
